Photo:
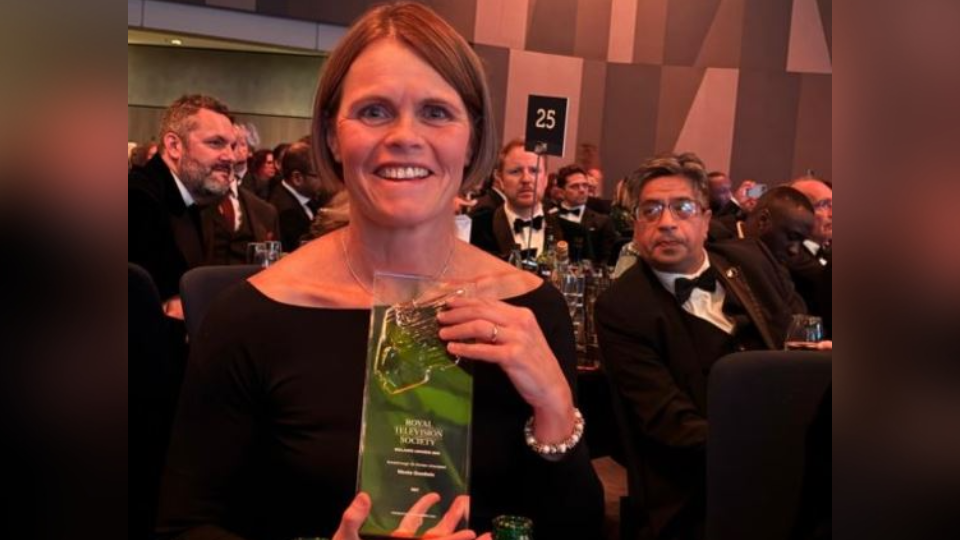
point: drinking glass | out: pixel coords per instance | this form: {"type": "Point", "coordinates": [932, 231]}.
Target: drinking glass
{"type": "Point", "coordinates": [804, 332]}
{"type": "Point", "coordinates": [256, 252]}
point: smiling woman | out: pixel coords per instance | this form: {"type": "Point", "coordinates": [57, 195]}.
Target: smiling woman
{"type": "Point", "coordinates": [271, 405]}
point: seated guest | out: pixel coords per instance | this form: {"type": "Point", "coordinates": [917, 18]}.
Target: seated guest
{"type": "Point", "coordinates": [820, 193]}
{"type": "Point", "coordinates": [665, 321]}
{"type": "Point", "coordinates": [192, 169]}
{"type": "Point", "coordinates": [263, 169]}
{"type": "Point", "coordinates": [520, 220]}
{"type": "Point", "coordinates": [622, 210]}
{"type": "Point", "coordinates": [598, 233]}
{"type": "Point", "coordinates": [268, 430]}
{"type": "Point", "coordinates": [595, 200]}
{"type": "Point", "coordinates": [240, 218]}
{"type": "Point", "coordinates": [783, 220]}
{"type": "Point", "coordinates": [297, 198]}
{"type": "Point", "coordinates": [722, 201]}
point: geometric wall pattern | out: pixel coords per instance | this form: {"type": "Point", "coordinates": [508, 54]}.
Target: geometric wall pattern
{"type": "Point", "coordinates": [747, 84]}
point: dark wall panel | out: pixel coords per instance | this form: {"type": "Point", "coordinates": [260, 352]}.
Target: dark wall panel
{"type": "Point", "coordinates": [630, 109]}
{"type": "Point", "coordinates": [766, 34]}
{"type": "Point", "coordinates": [765, 130]}
{"type": "Point", "coordinates": [552, 26]}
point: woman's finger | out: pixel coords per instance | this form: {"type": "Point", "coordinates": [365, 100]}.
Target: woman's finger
{"type": "Point", "coordinates": [353, 518]}
{"type": "Point", "coordinates": [453, 517]}
{"type": "Point", "coordinates": [460, 310]}
{"type": "Point", "coordinates": [413, 519]}
{"type": "Point", "coordinates": [481, 330]}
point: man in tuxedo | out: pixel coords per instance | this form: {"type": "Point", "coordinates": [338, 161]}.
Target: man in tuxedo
{"type": "Point", "coordinates": [820, 194]}
{"type": "Point", "coordinates": [193, 169]}
{"type": "Point", "coordinates": [238, 219]}
{"type": "Point", "coordinates": [812, 268]}
{"type": "Point", "coordinates": [663, 324]}
{"type": "Point", "coordinates": [297, 198]}
{"type": "Point", "coordinates": [722, 201]}
{"type": "Point", "coordinates": [594, 231]}
{"type": "Point", "coordinates": [520, 220]}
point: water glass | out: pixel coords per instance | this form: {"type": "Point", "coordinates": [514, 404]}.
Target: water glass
{"type": "Point", "coordinates": [804, 332]}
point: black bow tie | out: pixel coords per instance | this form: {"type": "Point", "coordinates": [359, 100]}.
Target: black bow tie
{"type": "Point", "coordinates": [684, 287]}
{"type": "Point", "coordinates": [313, 205]}
{"type": "Point", "coordinates": [561, 211]}
{"type": "Point", "coordinates": [520, 224]}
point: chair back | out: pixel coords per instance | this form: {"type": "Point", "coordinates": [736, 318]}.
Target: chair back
{"type": "Point", "coordinates": [761, 404]}
{"type": "Point", "coordinates": [200, 286]}
{"type": "Point", "coordinates": [634, 521]}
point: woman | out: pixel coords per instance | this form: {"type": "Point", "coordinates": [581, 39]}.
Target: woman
{"type": "Point", "coordinates": [263, 169]}
{"type": "Point", "coordinates": [267, 435]}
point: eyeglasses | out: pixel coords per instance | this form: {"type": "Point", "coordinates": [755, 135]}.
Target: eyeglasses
{"type": "Point", "coordinates": [823, 204]}
{"type": "Point", "coordinates": [682, 209]}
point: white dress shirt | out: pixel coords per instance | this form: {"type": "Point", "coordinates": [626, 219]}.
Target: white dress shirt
{"type": "Point", "coordinates": [537, 238]}
{"type": "Point", "coordinates": [814, 248]}
{"type": "Point", "coordinates": [702, 304]}
{"type": "Point", "coordinates": [184, 193]}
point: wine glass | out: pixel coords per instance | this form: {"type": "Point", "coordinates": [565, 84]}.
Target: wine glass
{"type": "Point", "coordinates": [804, 332]}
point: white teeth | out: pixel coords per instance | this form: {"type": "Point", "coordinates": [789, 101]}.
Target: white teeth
{"type": "Point", "coordinates": [403, 173]}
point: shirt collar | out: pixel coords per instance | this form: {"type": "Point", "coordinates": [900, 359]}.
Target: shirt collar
{"type": "Point", "coordinates": [668, 278]}
{"type": "Point", "coordinates": [303, 200]}
{"type": "Point", "coordinates": [811, 246]}
{"type": "Point", "coordinates": [187, 198]}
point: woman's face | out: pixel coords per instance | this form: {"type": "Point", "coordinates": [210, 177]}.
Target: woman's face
{"type": "Point", "coordinates": [402, 135]}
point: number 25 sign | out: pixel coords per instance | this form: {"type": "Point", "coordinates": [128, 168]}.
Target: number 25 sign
{"type": "Point", "coordinates": [546, 124]}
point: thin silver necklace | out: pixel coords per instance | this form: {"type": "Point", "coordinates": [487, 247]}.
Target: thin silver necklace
{"type": "Point", "coordinates": [368, 290]}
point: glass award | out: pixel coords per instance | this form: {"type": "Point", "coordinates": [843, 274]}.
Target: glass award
{"type": "Point", "coordinates": [414, 457]}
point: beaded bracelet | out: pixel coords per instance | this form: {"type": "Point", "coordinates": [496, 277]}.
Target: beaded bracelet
{"type": "Point", "coordinates": [561, 447]}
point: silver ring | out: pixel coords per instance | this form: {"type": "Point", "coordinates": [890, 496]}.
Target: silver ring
{"type": "Point", "coordinates": [494, 333]}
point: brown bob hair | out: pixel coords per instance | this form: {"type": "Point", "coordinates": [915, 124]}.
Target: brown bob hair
{"type": "Point", "coordinates": [436, 43]}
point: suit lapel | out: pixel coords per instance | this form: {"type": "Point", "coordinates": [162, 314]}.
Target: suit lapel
{"type": "Point", "coordinates": [734, 282]}
{"type": "Point", "coordinates": [256, 228]}
{"type": "Point", "coordinates": [185, 231]}
{"type": "Point", "coordinates": [683, 353]}
{"type": "Point", "coordinates": [502, 232]}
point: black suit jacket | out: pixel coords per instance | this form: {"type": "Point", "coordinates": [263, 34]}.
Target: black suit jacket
{"type": "Point", "coordinates": [656, 367]}
{"type": "Point", "coordinates": [731, 209]}
{"type": "Point", "coordinates": [294, 221]}
{"type": "Point", "coordinates": [602, 206]}
{"type": "Point", "coordinates": [259, 223]}
{"type": "Point", "coordinates": [487, 203]}
{"type": "Point", "coordinates": [492, 232]}
{"type": "Point", "coordinates": [162, 237]}
{"type": "Point", "coordinates": [598, 232]}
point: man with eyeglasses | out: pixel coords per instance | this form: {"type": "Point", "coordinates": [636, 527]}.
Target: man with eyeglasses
{"type": "Point", "coordinates": [667, 319]}
{"type": "Point", "coordinates": [299, 197]}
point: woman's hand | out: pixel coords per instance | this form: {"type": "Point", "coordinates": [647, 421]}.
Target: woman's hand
{"type": "Point", "coordinates": [359, 509]}
{"type": "Point", "coordinates": [510, 337]}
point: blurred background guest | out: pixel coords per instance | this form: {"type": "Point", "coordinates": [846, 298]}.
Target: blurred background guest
{"type": "Point", "coordinates": [298, 197]}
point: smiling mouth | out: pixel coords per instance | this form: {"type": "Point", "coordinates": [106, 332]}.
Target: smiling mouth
{"type": "Point", "coordinates": [403, 173]}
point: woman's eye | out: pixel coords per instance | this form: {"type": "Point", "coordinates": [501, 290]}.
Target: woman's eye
{"type": "Point", "coordinates": [373, 113]}
{"type": "Point", "coordinates": [436, 112]}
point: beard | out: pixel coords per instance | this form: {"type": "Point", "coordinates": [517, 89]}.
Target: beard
{"type": "Point", "coordinates": [201, 180]}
